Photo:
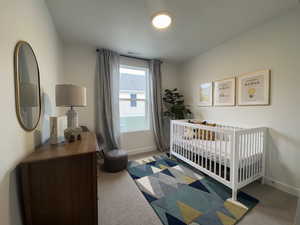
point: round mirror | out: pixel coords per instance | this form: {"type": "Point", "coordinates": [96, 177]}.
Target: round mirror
{"type": "Point", "coordinates": [27, 86]}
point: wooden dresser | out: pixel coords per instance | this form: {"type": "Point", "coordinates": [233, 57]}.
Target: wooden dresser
{"type": "Point", "coordinates": [59, 184]}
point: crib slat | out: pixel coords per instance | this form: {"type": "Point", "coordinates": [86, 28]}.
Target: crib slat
{"type": "Point", "coordinates": [251, 156]}
{"type": "Point", "coordinates": [259, 151]}
{"type": "Point", "coordinates": [186, 150]}
{"type": "Point", "coordinates": [182, 142]}
{"type": "Point", "coordinates": [206, 156]}
{"type": "Point", "coordinates": [215, 154]}
{"type": "Point", "coordinates": [195, 155]}
{"type": "Point", "coordinates": [261, 147]}
{"type": "Point", "coordinates": [220, 156]}
{"type": "Point", "coordinates": [244, 149]}
{"type": "Point", "coordinates": [201, 149]}
{"type": "Point", "coordinates": [174, 139]}
{"type": "Point", "coordinates": [256, 152]}
{"type": "Point", "coordinates": [177, 138]}
{"type": "Point", "coordinates": [241, 157]}
{"type": "Point", "coordinates": [225, 155]}
{"type": "Point", "coordinates": [210, 151]}
{"type": "Point", "coordinates": [247, 156]}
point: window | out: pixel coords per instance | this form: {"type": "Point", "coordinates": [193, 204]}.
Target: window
{"type": "Point", "coordinates": [134, 107]}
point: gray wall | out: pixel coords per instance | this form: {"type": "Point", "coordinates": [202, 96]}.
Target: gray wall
{"type": "Point", "coordinates": [274, 45]}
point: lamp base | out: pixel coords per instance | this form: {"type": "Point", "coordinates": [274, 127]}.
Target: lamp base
{"type": "Point", "coordinates": [72, 118]}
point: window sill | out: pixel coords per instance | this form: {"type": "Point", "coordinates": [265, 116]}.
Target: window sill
{"type": "Point", "coordinates": [137, 131]}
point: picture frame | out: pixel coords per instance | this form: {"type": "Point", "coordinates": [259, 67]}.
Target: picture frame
{"type": "Point", "coordinates": [225, 92]}
{"type": "Point", "coordinates": [206, 94]}
{"type": "Point", "coordinates": [254, 88]}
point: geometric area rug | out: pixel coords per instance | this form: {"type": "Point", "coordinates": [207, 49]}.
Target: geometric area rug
{"type": "Point", "coordinates": [180, 195]}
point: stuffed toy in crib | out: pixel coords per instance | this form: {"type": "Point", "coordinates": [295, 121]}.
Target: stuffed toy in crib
{"type": "Point", "coordinates": [197, 133]}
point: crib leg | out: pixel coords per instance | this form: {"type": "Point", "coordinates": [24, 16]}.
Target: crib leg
{"type": "Point", "coordinates": [263, 181]}
{"type": "Point", "coordinates": [234, 194]}
{"type": "Point", "coordinates": [170, 154]}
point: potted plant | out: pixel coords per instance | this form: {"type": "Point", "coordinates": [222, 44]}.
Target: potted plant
{"type": "Point", "coordinates": [174, 105]}
{"type": "Point", "coordinates": [175, 109]}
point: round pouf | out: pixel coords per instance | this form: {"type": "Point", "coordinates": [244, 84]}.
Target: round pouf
{"type": "Point", "coordinates": [115, 160]}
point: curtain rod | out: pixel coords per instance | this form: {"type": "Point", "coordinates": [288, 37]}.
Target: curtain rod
{"type": "Point", "coordinates": [129, 56]}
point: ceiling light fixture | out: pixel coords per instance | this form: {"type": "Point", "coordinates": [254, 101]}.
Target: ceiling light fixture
{"type": "Point", "coordinates": [161, 20]}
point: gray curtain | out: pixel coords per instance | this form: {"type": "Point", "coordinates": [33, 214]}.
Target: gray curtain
{"type": "Point", "coordinates": [107, 101]}
{"type": "Point", "coordinates": [156, 109]}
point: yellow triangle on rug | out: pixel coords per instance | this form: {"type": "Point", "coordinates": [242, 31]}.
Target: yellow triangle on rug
{"type": "Point", "coordinates": [226, 220]}
{"type": "Point", "coordinates": [236, 209]}
{"type": "Point", "coordinates": [163, 166]}
{"type": "Point", "coordinates": [187, 179]}
{"type": "Point", "coordinates": [188, 213]}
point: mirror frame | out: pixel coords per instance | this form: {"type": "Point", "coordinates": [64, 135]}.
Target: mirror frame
{"type": "Point", "coordinates": [17, 86]}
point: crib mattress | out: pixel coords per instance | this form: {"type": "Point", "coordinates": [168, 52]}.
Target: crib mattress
{"type": "Point", "coordinates": [218, 150]}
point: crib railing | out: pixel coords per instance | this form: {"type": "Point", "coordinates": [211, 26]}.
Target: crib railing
{"type": "Point", "coordinates": [233, 156]}
{"type": "Point", "coordinates": [206, 148]}
{"type": "Point", "coordinates": [251, 153]}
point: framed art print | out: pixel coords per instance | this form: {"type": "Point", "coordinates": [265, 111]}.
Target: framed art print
{"type": "Point", "coordinates": [205, 96]}
{"type": "Point", "coordinates": [254, 88]}
{"type": "Point", "coordinates": [224, 92]}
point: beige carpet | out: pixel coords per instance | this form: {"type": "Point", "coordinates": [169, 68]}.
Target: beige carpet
{"type": "Point", "coordinates": [121, 203]}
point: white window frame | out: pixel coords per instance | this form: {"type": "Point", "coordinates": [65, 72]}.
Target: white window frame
{"type": "Point", "coordinates": [147, 95]}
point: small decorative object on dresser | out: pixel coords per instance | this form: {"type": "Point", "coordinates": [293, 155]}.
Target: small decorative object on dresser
{"type": "Point", "coordinates": [73, 134]}
{"type": "Point", "coordinates": [224, 92]}
{"type": "Point", "coordinates": [68, 95]}
{"type": "Point", "coordinates": [58, 124]}
{"type": "Point", "coordinates": [205, 94]}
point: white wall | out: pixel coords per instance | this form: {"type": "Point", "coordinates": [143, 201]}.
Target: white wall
{"type": "Point", "coordinates": [30, 21]}
{"type": "Point", "coordinates": [276, 46]}
{"type": "Point", "coordinates": [170, 75]}
{"type": "Point", "coordinates": [80, 69]}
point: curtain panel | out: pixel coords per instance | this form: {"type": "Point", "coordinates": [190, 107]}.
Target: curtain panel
{"type": "Point", "coordinates": [107, 100]}
{"type": "Point", "coordinates": [156, 108]}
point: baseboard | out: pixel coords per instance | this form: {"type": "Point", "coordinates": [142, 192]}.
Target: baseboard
{"type": "Point", "coordinates": [141, 150]}
{"type": "Point", "coordinates": [282, 186]}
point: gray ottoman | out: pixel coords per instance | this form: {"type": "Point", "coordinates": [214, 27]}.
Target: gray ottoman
{"type": "Point", "coordinates": [115, 160]}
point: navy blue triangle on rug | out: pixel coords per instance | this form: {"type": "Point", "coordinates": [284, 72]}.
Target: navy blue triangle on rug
{"type": "Point", "coordinates": [181, 196]}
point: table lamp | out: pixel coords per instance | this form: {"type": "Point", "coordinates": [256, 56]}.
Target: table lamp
{"type": "Point", "coordinates": [69, 95]}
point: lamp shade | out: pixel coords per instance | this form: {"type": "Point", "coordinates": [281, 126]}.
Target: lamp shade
{"type": "Point", "coordinates": [68, 95]}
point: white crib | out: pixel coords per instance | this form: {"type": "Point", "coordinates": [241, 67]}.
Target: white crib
{"type": "Point", "coordinates": [233, 156]}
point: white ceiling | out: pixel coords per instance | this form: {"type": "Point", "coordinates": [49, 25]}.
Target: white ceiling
{"type": "Point", "coordinates": [125, 25]}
